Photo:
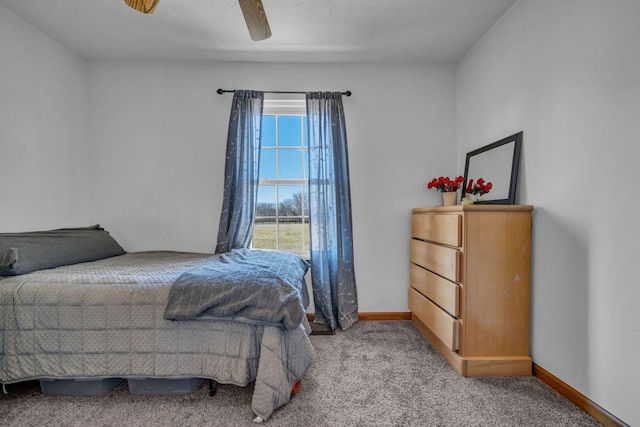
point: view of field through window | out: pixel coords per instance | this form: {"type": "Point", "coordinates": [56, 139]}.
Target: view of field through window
{"type": "Point", "coordinates": [282, 217]}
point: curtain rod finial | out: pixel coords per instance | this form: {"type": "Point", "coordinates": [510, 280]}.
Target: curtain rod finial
{"type": "Point", "coordinates": [220, 91]}
{"type": "Point", "coordinates": [348, 93]}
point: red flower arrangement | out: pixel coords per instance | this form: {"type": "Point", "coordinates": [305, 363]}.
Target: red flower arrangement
{"type": "Point", "coordinates": [479, 188]}
{"type": "Point", "coordinates": [445, 184]}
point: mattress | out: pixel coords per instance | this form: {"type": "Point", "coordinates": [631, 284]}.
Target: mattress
{"type": "Point", "coordinates": [104, 319]}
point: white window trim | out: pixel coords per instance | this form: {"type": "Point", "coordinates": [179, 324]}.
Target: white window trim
{"type": "Point", "coordinates": [284, 104]}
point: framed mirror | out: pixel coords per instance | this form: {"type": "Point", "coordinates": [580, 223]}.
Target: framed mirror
{"type": "Point", "coordinates": [496, 163]}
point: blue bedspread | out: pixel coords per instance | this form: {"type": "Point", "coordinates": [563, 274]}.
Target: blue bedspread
{"type": "Point", "coordinates": [250, 285]}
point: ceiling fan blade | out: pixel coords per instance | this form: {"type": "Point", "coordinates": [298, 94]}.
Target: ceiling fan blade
{"type": "Point", "coordinates": [256, 19]}
{"type": "Point", "coordinates": [144, 6]}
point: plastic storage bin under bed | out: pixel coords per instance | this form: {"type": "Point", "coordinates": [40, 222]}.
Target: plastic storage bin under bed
{"type": "Point", "coordinates": [164, 386]}
{"type": "Point", "coordinates": [79, 387]}
{"type": "Point", "coordinates": [157, 386]}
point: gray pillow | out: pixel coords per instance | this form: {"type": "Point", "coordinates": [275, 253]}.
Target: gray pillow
{"type": "Point", "coordinates": [22, 253]}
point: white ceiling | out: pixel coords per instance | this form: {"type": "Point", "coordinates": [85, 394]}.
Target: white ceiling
{"type": "Point", "coordinates": [303, 30]}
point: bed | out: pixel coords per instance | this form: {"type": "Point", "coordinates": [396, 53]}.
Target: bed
{"type": "Point", "coordinates": [106, 320]}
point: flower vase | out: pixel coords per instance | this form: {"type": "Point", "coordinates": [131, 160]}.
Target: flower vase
{"type": "Point", "coordinates": [467, 200]}
{"type": "Point", "coordinates": [449, 198]}
{"type": "Point", "coordinates": [475, 198]}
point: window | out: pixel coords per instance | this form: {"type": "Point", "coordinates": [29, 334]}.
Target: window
{"type": "Point", "coordinates": [282, 217]}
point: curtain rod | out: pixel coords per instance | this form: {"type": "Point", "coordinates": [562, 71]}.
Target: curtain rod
{"type": "Point", "coordinates": [221, 91]}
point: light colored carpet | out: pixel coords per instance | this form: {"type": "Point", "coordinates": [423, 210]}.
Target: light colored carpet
{"type": "Point", "coordinates": [375, 374]}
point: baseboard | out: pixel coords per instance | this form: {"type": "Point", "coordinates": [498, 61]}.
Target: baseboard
{"type": "Point", "coordinates": [376, 315]}
{"type": "Point", "coordinates": [381, 315]}
{"type": "Point", "coordinates": [577, 398]}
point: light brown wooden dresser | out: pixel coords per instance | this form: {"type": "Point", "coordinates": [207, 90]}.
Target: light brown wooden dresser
{"type": "Point", "coordinates": [470, 285]}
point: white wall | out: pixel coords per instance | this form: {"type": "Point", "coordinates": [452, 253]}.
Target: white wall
{"type": "Point", "coordinates": [43, 130]}
{"type": "Point", "coordinates": [158, 134]}
{"type": "Point", "coordinates": [567, 74]}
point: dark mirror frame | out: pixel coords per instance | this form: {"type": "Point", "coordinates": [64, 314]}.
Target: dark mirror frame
{"type": "Point", "coordinates": [517, 140]}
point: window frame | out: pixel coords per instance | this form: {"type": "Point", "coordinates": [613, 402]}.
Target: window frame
{"type": "Point", "coordinates": [288, 105]}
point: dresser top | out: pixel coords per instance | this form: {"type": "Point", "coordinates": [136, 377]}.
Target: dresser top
{"type": "Point", "coordinates": [475, 208]}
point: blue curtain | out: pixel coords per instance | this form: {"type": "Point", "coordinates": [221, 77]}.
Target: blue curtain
{"type": "Point", "coordinates": [241, 171]}
{"type": "Point", "coordinates": [332, 267]}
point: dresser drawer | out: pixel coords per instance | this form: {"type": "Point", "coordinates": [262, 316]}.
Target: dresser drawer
{"type": "Point", "coordinates": [445, 229]}
{"type": "Point", "coordinates": [437, 320]}
{"type": "Point", "coordinates": [439, 290]}
{"type": "Point", "coordinates": [439, 259]}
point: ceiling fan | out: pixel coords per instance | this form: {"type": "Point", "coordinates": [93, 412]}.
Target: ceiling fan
{"type": "Point", "coordinates": [253, 11]}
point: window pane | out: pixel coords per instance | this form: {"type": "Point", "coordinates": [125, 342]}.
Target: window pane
{"type": "Point", "coordinates": [266, 201]}
{"type": "Point", "coordinates": [290, 234]}
{"type": "Point", "coordinates": [290, 200]}
{"type": "Point", "coordinates": [264, 234]}
{"type": "Point", "coordinates": [267, 164]}
{"type": "Point", "coordinates": [290, 163]}
{"type": "Point", "coordinates": [268, 131]}
{"type": "Point", "coordinates": [290, 131]}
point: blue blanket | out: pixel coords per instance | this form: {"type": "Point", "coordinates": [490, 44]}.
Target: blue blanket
{"type": "Point", "coordinates": [257, 286]}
